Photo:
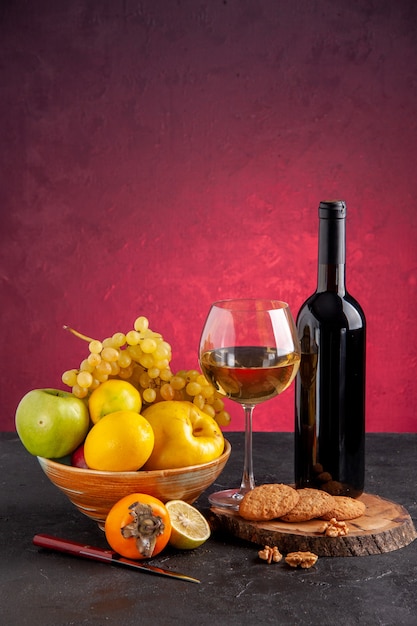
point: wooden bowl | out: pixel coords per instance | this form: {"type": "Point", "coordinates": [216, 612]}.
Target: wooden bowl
{"type": "Point", "coordinates": [94, 492]}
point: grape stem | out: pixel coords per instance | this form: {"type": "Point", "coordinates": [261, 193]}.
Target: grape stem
{"type": "Point", "coordinates": [77, 333]}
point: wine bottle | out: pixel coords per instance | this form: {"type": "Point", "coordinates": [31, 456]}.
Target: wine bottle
{"type": "Point", "coordinates": [330, 384]}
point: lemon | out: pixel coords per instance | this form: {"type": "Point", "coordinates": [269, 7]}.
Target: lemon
{"type": "Point", "coordinates": [119, 442]}
{"type": "Point", "coordinates": [111, 396]}
{"type": "Point", "coordinates": [190, 528]}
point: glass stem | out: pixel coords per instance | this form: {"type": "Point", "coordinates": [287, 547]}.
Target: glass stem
{"type": "Point", "coordinates": [248, 481]}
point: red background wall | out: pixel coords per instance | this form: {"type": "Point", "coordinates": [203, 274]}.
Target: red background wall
{"type": "Point", "coordinates": [159, 155]}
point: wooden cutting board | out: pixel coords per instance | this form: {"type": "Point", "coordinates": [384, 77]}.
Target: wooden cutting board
{"type": "Point", "coordinates": [385, 526]}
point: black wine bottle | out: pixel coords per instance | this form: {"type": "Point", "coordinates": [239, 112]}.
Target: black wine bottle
{"type": "Point", "coordinates": [330, 384]}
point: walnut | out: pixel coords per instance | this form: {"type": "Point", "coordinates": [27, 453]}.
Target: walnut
{"type": "Point", "coordinates": [324, 477]}
{"type": "Point", "coordinates": [318, 468]}
{"type": "Point", "coordinates": [303, 559]}
{"type": "Point", "coordinates": [333, 528]}
{"type": "Point", "coordinates": [270, 554]}
{"type": "Point", "coordinates": [334, 487]}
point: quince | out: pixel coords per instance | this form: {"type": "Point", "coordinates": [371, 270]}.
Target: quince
{"type": "Point", "coordinates": [184, 435]}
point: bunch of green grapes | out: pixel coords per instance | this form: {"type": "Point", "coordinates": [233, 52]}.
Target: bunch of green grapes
{"type": "Point", "coordinates": [142, 357]}
{"type": "Point", "coordinates": [193, 386]}
{"type": "Point", "coordinates": [138, 356]}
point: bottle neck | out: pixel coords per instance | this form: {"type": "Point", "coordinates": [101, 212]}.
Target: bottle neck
{"type": "Point", "coordinates": [332, 255]}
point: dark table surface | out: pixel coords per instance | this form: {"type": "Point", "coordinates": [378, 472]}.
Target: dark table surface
{"type": "Point", "coordinates": [44, 588]}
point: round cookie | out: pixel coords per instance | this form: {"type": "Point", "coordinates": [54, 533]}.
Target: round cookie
{"type": "Point", "coordinates": [311, 504]}
{"type": "Point", "coordinates": [345, 508]}
{"type": "Point", "coordinates": [268, 502]}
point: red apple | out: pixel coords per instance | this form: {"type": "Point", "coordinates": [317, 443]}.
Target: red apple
{"type": "Point", "coordinates": [77, 457]}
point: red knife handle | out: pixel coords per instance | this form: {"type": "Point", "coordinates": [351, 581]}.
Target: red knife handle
{"type": "Point", "coordinates": [72, 547]}
{"type": "Point", "coordinates": [100, 554]}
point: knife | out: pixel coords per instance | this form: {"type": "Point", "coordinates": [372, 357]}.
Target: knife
{"type": "Point", "coordinates": [105, 556]}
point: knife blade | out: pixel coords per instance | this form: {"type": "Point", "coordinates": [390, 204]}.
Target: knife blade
{"type": "Point", "coordinates": [104, 556]}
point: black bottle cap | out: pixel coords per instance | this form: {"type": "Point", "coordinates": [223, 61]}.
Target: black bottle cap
{"type": "Point", "coordinates": [332, 209]}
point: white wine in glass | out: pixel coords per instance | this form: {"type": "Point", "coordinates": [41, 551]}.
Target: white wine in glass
{"type": "Point", "coordinates": [249, 351]}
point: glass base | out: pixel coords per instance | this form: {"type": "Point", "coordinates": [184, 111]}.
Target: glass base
{"type": "Point", "coordinates": [229, 498]}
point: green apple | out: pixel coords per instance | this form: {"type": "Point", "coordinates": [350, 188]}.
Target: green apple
{"type": "Point", "coordinates": [184, 435]}
{"type": "Point", "coordinates": [51, 422]}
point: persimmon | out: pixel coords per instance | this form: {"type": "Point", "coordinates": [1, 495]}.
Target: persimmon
{"type": "Point", "coordinates": [138, 526]}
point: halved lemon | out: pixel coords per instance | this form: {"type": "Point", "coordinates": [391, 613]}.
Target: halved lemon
{"type": "Point", "coordinates": [190, 528]}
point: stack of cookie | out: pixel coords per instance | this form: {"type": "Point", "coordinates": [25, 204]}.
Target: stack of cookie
{"type": "Point", "coordinates": [279, 501]}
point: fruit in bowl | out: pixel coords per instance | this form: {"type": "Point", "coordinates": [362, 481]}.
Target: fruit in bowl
{"type": "Point", "coordinates": [94, 492]}
{"type": "Point", "coordinates": [120, 441]}
{"type": "Point", "coordinates": [184, 435]}
{"type": "Point", "coordinates": [128, 425]}
{"type": "Point", "coordinates": [111, 396]}
{"type": "Point", "coordinates": [51, 422]}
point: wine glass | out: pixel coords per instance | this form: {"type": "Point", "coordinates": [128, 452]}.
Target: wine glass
{"type": "Point", "coordinates": [250, 352]}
